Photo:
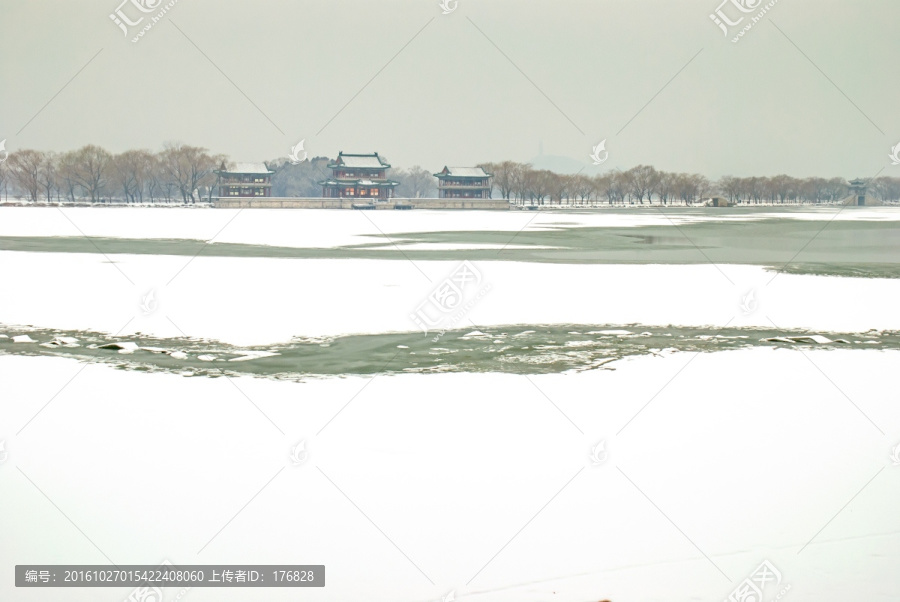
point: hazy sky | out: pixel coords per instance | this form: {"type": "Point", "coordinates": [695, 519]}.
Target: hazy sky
{"type": "Point", "coordinates": [811, 89]}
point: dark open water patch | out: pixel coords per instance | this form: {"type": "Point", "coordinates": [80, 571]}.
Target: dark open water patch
{"type": "Point", "coordinates": [539, 349]}
{"type": "Point", "coordinates": [839, 248]}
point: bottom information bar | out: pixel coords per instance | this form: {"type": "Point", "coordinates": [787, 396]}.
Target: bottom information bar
{"type": "Point", "coordinates": [170, 575]}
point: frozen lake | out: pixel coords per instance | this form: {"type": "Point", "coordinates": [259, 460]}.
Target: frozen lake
{"type": "Point", "coordinates": [317, 228]}
{"type": "Point", "coordinates": [254, 301]}
{"type": "Point", "coordinates": [322, 228]}
{"type": "Point", "coordinates": [415, 487]}
{"type": "Point", "coordinates": [481, 481]}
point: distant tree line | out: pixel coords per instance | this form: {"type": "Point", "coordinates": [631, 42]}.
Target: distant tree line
{"type": "Point", "coordinates": [299, 180]}
{"type": "Point", "coordinates": [178, 173]}
{"type": "Point", "coordinates": [186, 174]}
{"type": "Point", "coordinates": [521, 183]}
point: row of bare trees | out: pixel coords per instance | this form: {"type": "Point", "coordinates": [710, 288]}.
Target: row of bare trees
{"type": "Point", "coordinates": [415, 182]}
{"type": "Point", "coordinates": [521, 183]}
{"type": "Point", "coordinates": [187, 173]}
{"type": "Point", "coordinates": [787, 189]}
{"type": "Point", "coordinates": [93, 174]}
{"type": "Point", "coordinates": [177, 172]}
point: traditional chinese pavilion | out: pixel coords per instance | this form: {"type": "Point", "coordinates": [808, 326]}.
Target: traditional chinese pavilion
{"type": "Point", "coordinates": [859, 195]}
{"type": "Point", "coordinates": [858, 190]}
{"type": "Point", "coordinates": [245, 180]}
{"type": "Point", "coordinates": [463, 183]}
{"type": "Point", "coordinates": [359, 176]}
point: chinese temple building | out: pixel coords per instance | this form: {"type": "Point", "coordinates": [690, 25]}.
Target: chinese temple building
{"type": "Point", "coordinates": [859, 195]}
{"type": "Point", "coordinates": [463, 183]}
{"type": "Point", "coordinates": [858, 190]}
{"type": "Point", "coordinates": [245, 180]}
{"type": "Point", "coordinates": [358, 176]}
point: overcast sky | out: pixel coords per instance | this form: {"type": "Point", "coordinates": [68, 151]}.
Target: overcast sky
{"type": "Point", "coordinates": [811, 89]}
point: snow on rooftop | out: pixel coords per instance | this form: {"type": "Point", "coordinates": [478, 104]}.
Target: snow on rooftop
{"type": "Point", "coordinates": [467, 172]}
{"type": "Point", "coordinates": [250, 168]}
{"type": "Point", "coordinates": [361, 161]}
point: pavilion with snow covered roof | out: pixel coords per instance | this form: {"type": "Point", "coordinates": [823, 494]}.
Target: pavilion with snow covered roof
{"type": "Point", "coordinates": [245, 180]}
{"type": "Point", "coordinates": [463, 183]}
{"type": "Point", "coordinates": [359, 176]}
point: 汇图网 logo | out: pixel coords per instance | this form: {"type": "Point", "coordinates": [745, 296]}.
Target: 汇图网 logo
{"type": "Point", "coordinates": [126, 17]}
{"type": "Point", "coordinates": [598, 454]}
{"type": "Point", "coordinates": [895, 155]}
{"type": "Point", "coordinates": [296, 152]}
{"type": "Point", "coordinates": [766, 578]}
{"type": "Point", "coordinates": [298, 454]}
{"type": "Point", "coordinates": [726, 17]}
{"type": "Point", "coordinates": [450, 300]}
{"type": "Point", "coordinates": [149, 302]}
{"type": "Point", "coordinates": [599, 154]}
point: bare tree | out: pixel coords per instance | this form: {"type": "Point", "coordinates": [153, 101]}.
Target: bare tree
{"type": "Point", "coordinates": [187, 167]}
{"type": "Point", "coordinates": [691, 187]}
{"type": "Point", "coordinates": [505, 176]}
{"type": "Point", "coordinates": [613, 185]}
{"type": "Point", "coordinates": [130, 174]}
{"type": "Point", "coordinates": [582, 187]}
{"type": "Point", "coordinates": [151, 171]}
{"type": "Point", "coordinates": [665, 186]}
{"type": "Point", "coordinates": [66, 175]}
{"type": "Point", "coordinates": [161, 180]}
{"type": "Point", "coordinates": [520, 180]}
{"type": "Point", "coordinates": [603, 185]}
{"type": "Point", "coordinates": [643, 181]}
{"type": "Point", "coordinates": [48, 175]}
{"type": "Point", "coordinates": [886, 188]}
{"type": "Point", "coordinates": [25, 171]}
{"type": "Point", "coordinates": [557, 186]}
{"type": "Point", "coordinates": [539, 184]}
{"type": "Point", "coordinates": [701, 185]}
{"type": "Point", "coordinates": [753, 187]}
{"type": "Point", "coordinates": [782, 187]}
{"type": "Point", "coordinates": [730, 187]}
{"type": "Point", "coordinates": [836, 189]}
{"type": "Point", "coordinates": [415, 182]}
{"type": "Point", "coordinates": [90, 167]}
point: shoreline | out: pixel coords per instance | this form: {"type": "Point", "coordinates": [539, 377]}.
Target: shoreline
{"type": "Point", "coordinates": [424, 204]}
